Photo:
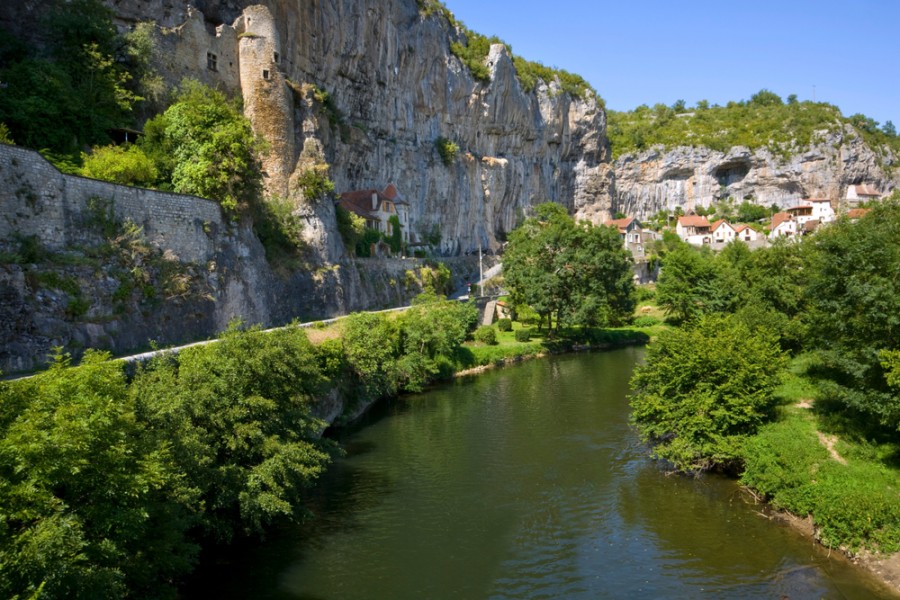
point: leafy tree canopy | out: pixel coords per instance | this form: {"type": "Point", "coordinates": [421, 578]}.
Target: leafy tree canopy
{"type": "Point", "coordinates": [205, 146]}
{"type": "Point", "coordinates": [854, 303]}
{"type": "Point", "coordinates": [69, 96]}
{"type": "Point", "coordinates": [573, 272]}
{"type": "Point", "coordinates": [704, 389]}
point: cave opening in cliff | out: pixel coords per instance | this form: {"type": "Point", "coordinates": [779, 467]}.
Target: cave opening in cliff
{"type": "Point", "coordinates": [731, 172]}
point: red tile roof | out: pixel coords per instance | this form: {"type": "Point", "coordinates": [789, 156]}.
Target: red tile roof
{"type": "Point", "coordinates": [719, 223]}
{"type": "Point", "coordinates": [620, 224]}
{"type": "Point", "coordinates": [359, 202]}
{"type": "Point", "coordinates": [857, 213]}
{"type": "Point", "coordinates": [391, 193]}
{"type": "Point", "coordinates": [693, 221]}
{"type": "Point", "coordinates": [779, 218]}
{"type": "Point", "coordinates": [866, 190]}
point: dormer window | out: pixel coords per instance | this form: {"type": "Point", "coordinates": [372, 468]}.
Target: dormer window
{"type": "Point", "coordinates": [212, 62]}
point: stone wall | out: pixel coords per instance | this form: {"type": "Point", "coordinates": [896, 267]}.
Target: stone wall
{"type": "Point", "coordinates": [225, 262]}
{"type": "Point", "coordinates": [37, 200]}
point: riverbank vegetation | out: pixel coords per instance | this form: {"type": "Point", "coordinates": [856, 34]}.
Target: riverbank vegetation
{"type": "Point", "coordinates": [783, 371]}
{"type": "Point", "coordinates": [110, 484]}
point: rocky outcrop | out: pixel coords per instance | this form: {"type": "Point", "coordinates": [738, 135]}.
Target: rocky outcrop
{"type": "Point", "coordinates": [691, 177]}
{"type": "Point", "coordinates": [371, 84]}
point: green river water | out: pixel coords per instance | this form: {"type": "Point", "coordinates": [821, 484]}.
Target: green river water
{"type": "Point", "coordinates": [525, 483]}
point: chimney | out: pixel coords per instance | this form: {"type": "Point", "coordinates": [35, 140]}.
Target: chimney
{"type": "Point", "coordinates": [374, 201]}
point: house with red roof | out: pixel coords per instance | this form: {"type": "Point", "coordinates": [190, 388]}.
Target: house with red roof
{"type": "Point", "coordinates": [693, 229]}
{"type": "Point", "coordinates": [634, 236]}
{"type": "Point", "coordinates": [783, 225]}
{"type": "Point", "coordinates": [812, 209]}
{"type": "Point", "coordinates": [722, 232]}
{"type": "Point", "coordinates": [377, 207]}
{"type": "Point", "coordinates": [857, 194]}
{"type": "Point", "coordinates": [745, 233]}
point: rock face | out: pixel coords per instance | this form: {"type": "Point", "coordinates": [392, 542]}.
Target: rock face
{"type": "Point", "coordinates": [365, 87]}
{"type": "Point", "coordinates": [688, 177]}
{"type": "Point", "coordinates": [98, 265]}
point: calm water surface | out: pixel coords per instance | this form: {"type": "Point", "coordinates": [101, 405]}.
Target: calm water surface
{"type": "Point", "coordinates": [526, 483]}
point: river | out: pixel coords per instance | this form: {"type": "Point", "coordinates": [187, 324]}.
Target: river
{"type": "Point", "coordinates": [525, 483]}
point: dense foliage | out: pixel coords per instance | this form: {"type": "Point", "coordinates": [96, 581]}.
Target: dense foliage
{"type": "Point", "coordinates": [108, 486]}
{"type": "Point", "coordinates": [854, 310]}
{"type": "Point", "coordinates": [764, 121]}
{"type": "Point", "coordinates": [126, 165]}
{"type": "Point", "coordinates": [203, 145]}
{"type": "Point", "coordinates": [573, 273]}
{"type": "Point", "coordinates": [69, 92]}
{"type": "Point", "coordinates": [704, 389]}
{"type": "Point", "coordinates": [831, 302]}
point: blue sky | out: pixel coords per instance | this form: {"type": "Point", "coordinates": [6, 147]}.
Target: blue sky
{"type": "Point", "coordinates": [644, 52]}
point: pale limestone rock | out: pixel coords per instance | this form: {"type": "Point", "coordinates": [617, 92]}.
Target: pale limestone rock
{"type": "Point", "coordinates": [691, 177]}
{"type": "Point", "coordinates": [395, 88]}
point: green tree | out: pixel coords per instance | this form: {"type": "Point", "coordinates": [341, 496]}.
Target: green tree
{"type": "Point", "coordinates": [765, 98]}
{"type": "Point", "coordinates": [92, 506]}
{"type": "Point", "coordinates": [749, 212]}
{"type": "Point", "coordinates": [396, 238]}
{"type": "Point", "coordinates": [351, 227]}
{"type": "Point", "coordinates": [372, 347]}
{"type": "Point", "coordinates": [854, 308]}
{"type": "Point", "coordinates": [236, 415]}
{"type": "Point", "coordinates": [703, 390]}
{"type": "Point", "coordinates": [205, 146]}
{"type": "Point", "coordinates": [431, 332]}
{"type": "Point", "coordinates": [5, 135]}
{"type": "Point", "coordinates": [686, 283]}
{"type": "Point", "coordinates": [66, 93]}
{"type": "Point", "coordinates": [573, 272]}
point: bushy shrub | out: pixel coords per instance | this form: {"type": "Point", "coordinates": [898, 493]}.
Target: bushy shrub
{"type": "Point", "coordinates": [646, 321]}
{"type": "Point", "coordinates": [447, 149]}
{"type": "Point", "coordinates": [486, 335]}
{"type": "Point", "coordinates": [523, 335]}
{"type": "Point", "coordinates": [645, 293]}
{"type": "Point", "coordinates": [127, 165]}
{"type": "Point", "coordinates": [504, 325]}
{"type": "Point", "coordinates": [703, 390]}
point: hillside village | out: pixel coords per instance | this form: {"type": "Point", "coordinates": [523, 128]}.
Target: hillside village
{"type": "Point", "coordinates": [790, 223]}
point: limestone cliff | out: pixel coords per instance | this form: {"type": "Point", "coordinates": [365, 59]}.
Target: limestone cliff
{"type": "Point", "coordinates": [366, 87]}
{"type": "Point", "coordinates": [690, 177]}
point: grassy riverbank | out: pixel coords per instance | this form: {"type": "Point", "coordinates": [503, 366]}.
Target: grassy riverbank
{"type": "Point", "coordinates": [813, 460]}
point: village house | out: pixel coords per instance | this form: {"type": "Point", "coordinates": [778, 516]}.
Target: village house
{"type": "Point", "coordinates": [377, 207]}
{"type": "Point", "coordinates": [722, 232]}
{"type": "Point", "coordinates": [813, 209]}
{"type": "Point", "coordinates": [746, 233]}
{"type": "Point", "coordinates": [783, 225]}
{"type": "Point", "coordinates": [634, 236]}
{"type": "Point", "coordinates": [693, 229]}
{"type": "Point", "coordinates": [857, 194]}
